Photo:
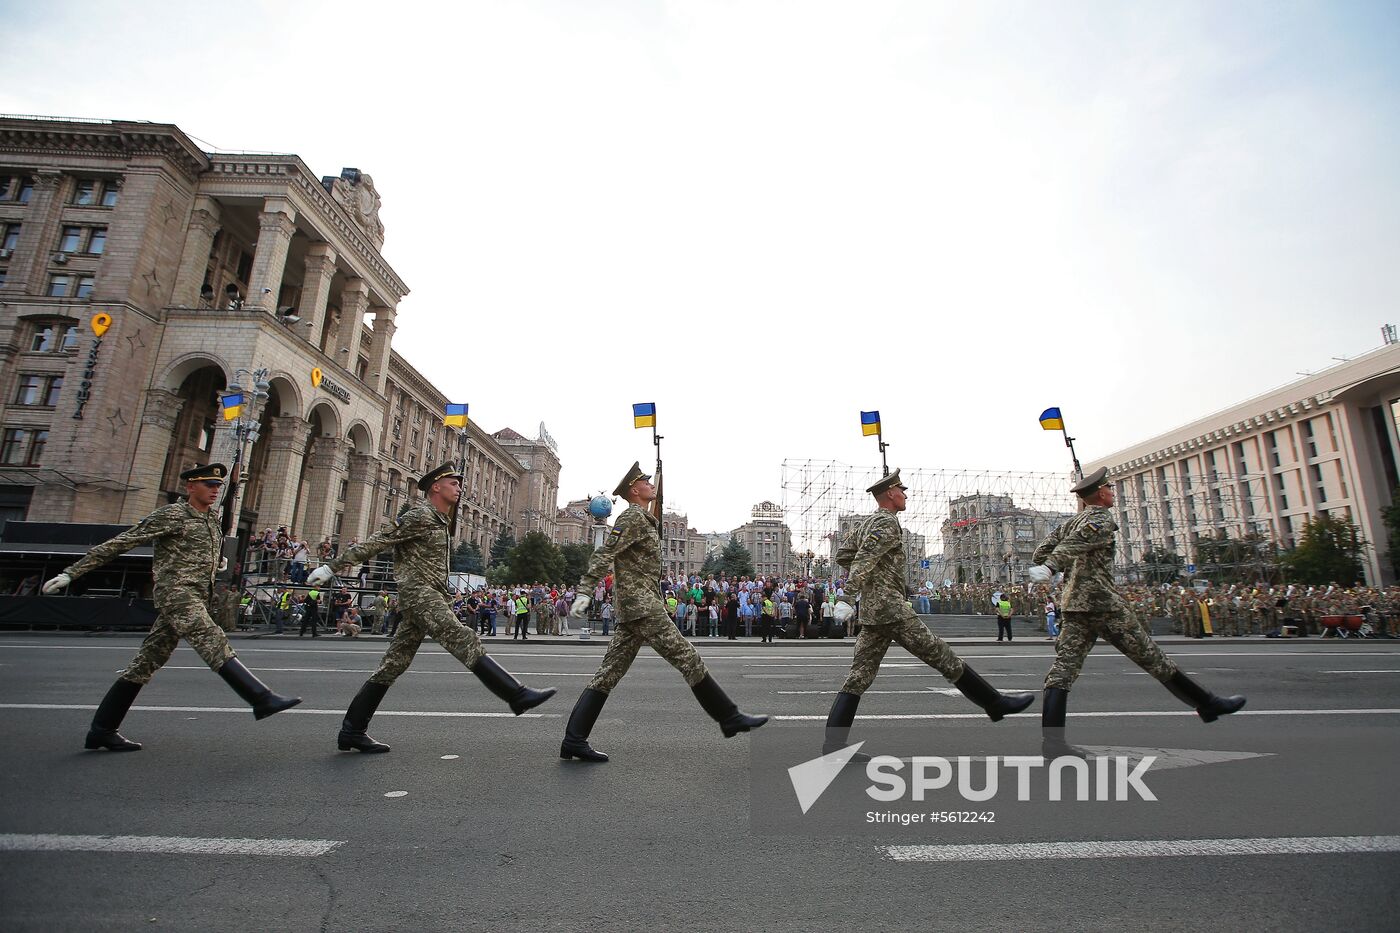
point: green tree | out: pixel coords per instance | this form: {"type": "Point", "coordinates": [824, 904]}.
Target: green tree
{"type": "Point", "coordinates": [1223, 559]}
{"type": "Point", "coordinates": [1159, 565]}
{"type": "Point", "coordinates": [536, 559]}
{"type": "Point", "coordinates": [713, 564]}
{"type": "Point", "coordinates": [1328, 551]}
{"type": "Point", "coordinates": [499, 574]}
{"type": "Point", "coordinates": [736, 559]}
{"type": "Point", "coordinates": [1390, 516]}
{"type": "Point", "coordinates": [500, 548]}
{"type": "Point", "coordinates": [467, 558]}
{"type": "Point", "coordinates": [576, 560]}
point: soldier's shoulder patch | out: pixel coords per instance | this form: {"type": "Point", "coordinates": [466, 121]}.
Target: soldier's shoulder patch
{"type": "Point", "coordinates": [617, 531]}
{"type": "Point", "coordinates": [874, 534]}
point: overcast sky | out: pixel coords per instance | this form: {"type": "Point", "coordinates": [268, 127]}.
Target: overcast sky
{"type": "Point", "coordinates": [766, 217]}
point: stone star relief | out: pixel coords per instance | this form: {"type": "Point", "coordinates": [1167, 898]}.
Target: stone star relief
{"type": "Point", "coordinates": [116, 420]}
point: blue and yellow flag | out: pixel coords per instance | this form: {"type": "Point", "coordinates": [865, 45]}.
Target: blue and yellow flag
{"type": "Point", "coordinates": [454, 416]}
{"type": "Point", "coordinates": [1050, 420]}
{"type": "Point", "coordinates": [869, 423]}
{"type": "Point", "coordinates": [644, 415]}
{"type": "Point", "coordinates": [233, 405]}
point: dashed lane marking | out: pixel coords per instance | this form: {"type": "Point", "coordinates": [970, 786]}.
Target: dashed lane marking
{"type": "Point", "coordinates": [1142, 848]}
{"type": "Point", "coordinates": [167, 845]}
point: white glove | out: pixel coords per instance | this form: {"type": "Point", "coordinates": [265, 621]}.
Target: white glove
{"type": "Point", "coordinates": [59, 582]}
{"type": "Point", "coordinates": [223, 564]}
{"type": "Point", "coordinates": [1040, 573]}
{"type": "Point", "coordinates": [580, 606]}
{"type": "Point", "coordinates": [321, 576]}
{"type": "Point", "coordinates": [842, 612]}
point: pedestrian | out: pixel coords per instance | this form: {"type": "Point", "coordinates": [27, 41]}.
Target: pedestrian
{"type": "Point", "coordinates": [188, 543]}
{"type": "Point", "coordinates": [422, 550]}
{"type": "Point", "coordinates": [522, 618]}
{"type": "Point", "coordinates": [311, 613]}
{"type": "Point", "coordinates": [1051, 611]}
{"type": "Point", "coordinates": [1003, 608]}
{"type": "Point", "coordinates": [1083, 549]}
{"type": "Point", "coordinates": [633, 552]}
{"type": "Point", "coordinates": [874, 553]}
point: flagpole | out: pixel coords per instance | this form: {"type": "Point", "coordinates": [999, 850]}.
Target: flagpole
{"type": "Point", "coordinates": [1069, 442]}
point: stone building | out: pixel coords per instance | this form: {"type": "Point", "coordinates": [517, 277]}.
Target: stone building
{"type": "Point", "coordinates": [215, 270]}
{"type": "Point", "coordinates": [1326, 444]}
{"type": "Point", "coordinates": [682, 547]}
{"type": "Point", "coordinates": [988, 539]}
{"type": "Point", "coordinates": [769, 541]}
{"type": "Point", "coordinates": [537, 505]}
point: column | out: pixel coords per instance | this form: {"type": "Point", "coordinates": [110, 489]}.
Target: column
{"type": "Point", "coordinates": [316, 289]}
{"type": "Point", "coordinates": [276, 224]}
{"type": "Point", "coordinates": [158, 417]}
{"type": "Point", "coordinates": [354, 301]}
{"type": "Point", "coordinates": [194, 260]}
{"type": "Point", "coordinates": [324, 470]}
{"type": "Point", "coordinates": [282, 472]}
{"type": "Point", "coordinates": [363, 472]}
{"type": "Point", "coordinates": [37, 236]}
{"type": "Point", "coordinates": [379, 350]}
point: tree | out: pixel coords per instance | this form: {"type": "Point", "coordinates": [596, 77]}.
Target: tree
{"type": "Point", "coordinates": [1390, 517]}
{"type": "Point", "coordinates": [1223, 559]}
{"type": "Point", "coordinates": [736, 560]}
{"type": "Point", "coordinates": [536, 559]}
{"type": "Point", "coordinates": [1160, 565]}
{"type": "Point", "coordinates": [500, 548]}
{"type": "Point", "coordinates": [1329, 551]}
{"type": "Point", "coordinates": [467, 558]}
{"type": "Point", "coordinates": [713, 565]}
{"type": "Point", "coordinates": [499, 574]}
{"type": "Point", "coordinates": [576, 560]}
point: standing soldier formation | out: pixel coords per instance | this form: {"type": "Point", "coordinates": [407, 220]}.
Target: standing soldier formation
{"type": "Point", "coordinates": [422, 554]}
{"type": "Point", "coordinates": [1082, 548]}
{"type": "Point", "coordinates": [188, 543]}
{"type": "Point", "coordinates": [875, 554]}
{"type": "Point", "coordinates": [633, 553]}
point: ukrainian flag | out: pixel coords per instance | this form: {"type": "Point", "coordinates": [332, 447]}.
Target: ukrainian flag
{"type": "Point", "coordinates": [644, 415]}
{"type": "Point", "coordinates": [1050, 420]}
{"type": "Point", "coordinates": [233, 405]}
{"type": "Point", "coordinates": [869, 423]}
{"type": "Point", "coordinates": [454, 416]}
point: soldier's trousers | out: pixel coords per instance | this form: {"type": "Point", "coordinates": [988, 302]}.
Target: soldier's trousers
{"type": "Point", "coordinates": [911, 635]}
{"type": "Point", "coordinates": [188, 619]}
{"type": "Point", "coordinates": [1121, 629]}
{"type": "Point", "coordinates": [420, 615]}
{"type": "Point", "coordinates": [664, 638]}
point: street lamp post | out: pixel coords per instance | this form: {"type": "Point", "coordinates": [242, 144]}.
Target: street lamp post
{"type": "Point", "coordinates": [245, 431]}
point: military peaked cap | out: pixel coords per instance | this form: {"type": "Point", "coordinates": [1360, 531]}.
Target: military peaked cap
{"type": "Point", "coordinates": [209, 471]}
{"type": "Point", "coordinates": [1091, 482]}
{"type": "Point", "coordinates": [446, 471]}
{"type": "Point", "coordinates": [632, 476]}
{"type": "Point", "coordinates": [887, 482]}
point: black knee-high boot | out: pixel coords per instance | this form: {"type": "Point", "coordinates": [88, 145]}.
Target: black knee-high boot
{"type": "Point", "coordinates": [838, 725]}
{"type": "Point", "coordinates": [353, 734]}
{"type": "Point", "coordinates": [581, 720]}
{"type": "Point", "coordinates": [498, 680]}
{"type": "Point", "coordinates": [995, 703]}
{"type": "Point", "coordinates": [108, 718]}
{"type": "Point", "coordinates": [1052, 725]}
{"type": "Point", "coordinates": [253, 691]}
{"type": "Point", "coordinates": [722, 709]}
{"type": "Point", "coordinates": [1207, 705]}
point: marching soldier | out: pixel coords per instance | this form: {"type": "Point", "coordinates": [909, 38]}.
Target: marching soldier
{"type": "Point", "coordinates": [874, 552]}
{"type": "Point", "coordinates": [188, 541]}
{"type": "Point", "coordinates": [422, 551]}
{"type": "Point", "coordinates": [1083, 548]}
{"type": "Point", "coordinates": [633, 553]}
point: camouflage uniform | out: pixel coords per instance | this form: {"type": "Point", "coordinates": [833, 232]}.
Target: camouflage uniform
{"type": "Point", "coordinates": [421, 553]}
{"type": "Point", "coordinates": [1083, 547]}
{"type": "Point", "coordinates": [633, 553]}
{"type": "Point", "coordinates": [875, 554]}
{"type": "Point", "coordinates": [188, 545]}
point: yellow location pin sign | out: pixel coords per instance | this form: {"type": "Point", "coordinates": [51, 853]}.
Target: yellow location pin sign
{"type": "Point", "coordinates": [316, 377]}
{"type": "Point", "coordinates": [100, 323]}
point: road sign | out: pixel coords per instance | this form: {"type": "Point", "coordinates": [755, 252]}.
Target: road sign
{"type": "Point", "coordinates": [1190, 568]}
{"type": "Point", "coordinates": [924, 565]}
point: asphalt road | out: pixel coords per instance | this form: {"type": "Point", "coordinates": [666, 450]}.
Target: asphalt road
{"type": "Point", "coordinates": [684, 830]}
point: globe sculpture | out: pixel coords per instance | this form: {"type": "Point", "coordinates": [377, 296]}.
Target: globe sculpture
{"type": "Point", "coordinates": [600, 507]}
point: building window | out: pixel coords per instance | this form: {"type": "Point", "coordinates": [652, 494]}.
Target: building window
{"type": "Point", "coordinates": [413, 461]}
{"type": "Point", "coordinates": [65, 285]}
{"type": "Point", "coordinates": [71, 238]}
{"type": "Point", "coordinates": [9, 239]}
{"type": "Point", "coordinates": [88, 240]}
{"type": "Point", "coordinates": [52, 338]}
{"type": "Point", "coordinates": [344, 490]}
{"type": "Point", "coordinates": [23, 446]}
{"type": "Point", "coordinates": [16, 188]}
{"type": "Point", "coordinates": [91, 192]}
{"type": "Point", "coordinates": [97, 241]}
{"type": "Point", "coordinates": [394, 451]}
{"type": "Point", "coordinates": [398, 427]}
{"type": "Point", "coordinates": [38, 389]}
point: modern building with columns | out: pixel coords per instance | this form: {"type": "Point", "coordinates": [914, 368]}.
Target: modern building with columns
{"type": "Point", "coordinates": [212, 268]}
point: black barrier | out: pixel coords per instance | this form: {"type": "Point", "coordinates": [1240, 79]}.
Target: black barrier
{"type": "Point", "coordinates": [75, 612]}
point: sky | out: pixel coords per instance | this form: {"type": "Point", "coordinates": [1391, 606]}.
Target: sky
{"type": "Point", "coordinates": [767, 217]}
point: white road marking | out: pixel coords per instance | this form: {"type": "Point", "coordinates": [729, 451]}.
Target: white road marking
{"type": "Point", "coordinates": [368, 670]}
{"type": "Point", "coordinates": [301, 710]}
{"type": "Point", "coordinates": [171, 845]}
{"type": "Point", "coordinates": [1107, 714]}
{"type": "Point", "coordinates": [450, 757]}
{"type": "Point", "coordinates": [927, 691]}
{"type": "Point", "coordinates": [397, 793]}
{"type": "Point", "coordinates": [1361, 672]}
{"type": "Point", "coordinates": [1143, 848]}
